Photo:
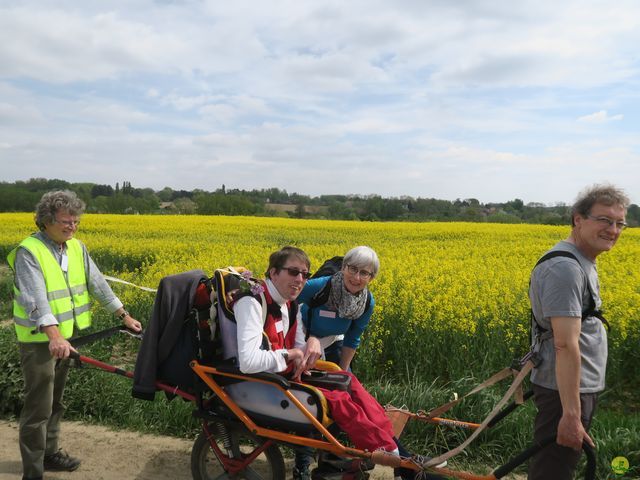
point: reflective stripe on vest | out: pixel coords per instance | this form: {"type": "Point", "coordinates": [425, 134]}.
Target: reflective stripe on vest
{"type": "Point", "coordinates": [68, 297]}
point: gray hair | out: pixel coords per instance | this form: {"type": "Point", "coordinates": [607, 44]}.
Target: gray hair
{"type": "Point", "coordinates": [363, 257]}
{"type": "Point", "coordinates": [604, 194]}
{"type": "Point", "coordinates": [53, 202]}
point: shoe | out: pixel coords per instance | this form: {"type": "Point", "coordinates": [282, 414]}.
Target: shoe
{"type": "Point", "coordinates": [301, 474]}
{"type": "Point", "coordinates": [440, 465]}
{"type": "Point", "coordinates": [60, 462]}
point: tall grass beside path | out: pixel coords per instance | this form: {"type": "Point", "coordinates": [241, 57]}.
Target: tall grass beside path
{"type": "Point", "coordinates": [451, 309]}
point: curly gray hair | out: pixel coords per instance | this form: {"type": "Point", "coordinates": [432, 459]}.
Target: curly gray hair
{"type": "Point", "coordinates": [603, 194]}
{"type": "Point", "coordinates": [53, 202]}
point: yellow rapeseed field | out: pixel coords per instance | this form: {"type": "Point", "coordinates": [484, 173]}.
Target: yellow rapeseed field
{"type": "Point", "coordinates": [449, 295]}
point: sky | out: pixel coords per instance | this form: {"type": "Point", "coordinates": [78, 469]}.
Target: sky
{"type": "Point", "coordinates": [493, 100]}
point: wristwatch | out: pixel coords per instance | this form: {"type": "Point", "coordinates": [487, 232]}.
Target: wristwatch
{"type": "Point", "coordinates": [285, 355]}
{"type": "Point", "coordinates": [123, 315]}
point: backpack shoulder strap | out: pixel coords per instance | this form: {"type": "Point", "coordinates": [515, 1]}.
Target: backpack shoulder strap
{"type": "Point", "coordinates": [321, 296]}
{"type": "Point", "coordinates": [554, 254]}
{"type": "Point", "coordinates": [591, 309]}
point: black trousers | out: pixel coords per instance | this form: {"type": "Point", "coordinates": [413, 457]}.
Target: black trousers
{"type": "Point", "coordinates": [556, 462]}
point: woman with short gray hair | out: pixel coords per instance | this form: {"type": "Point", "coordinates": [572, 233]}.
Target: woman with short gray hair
{"type": "Point", "coordinates": [336, 309]}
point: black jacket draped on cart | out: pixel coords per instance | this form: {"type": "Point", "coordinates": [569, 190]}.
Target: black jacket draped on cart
{"type": "Point", "coordinates": [165, 344]}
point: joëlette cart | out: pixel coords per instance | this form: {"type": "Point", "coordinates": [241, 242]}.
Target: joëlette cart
{"type": "Point", "coordinates": [246, 418]}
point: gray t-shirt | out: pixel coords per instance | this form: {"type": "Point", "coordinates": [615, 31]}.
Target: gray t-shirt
{"type": "Point", "coordinates": [559, 289]}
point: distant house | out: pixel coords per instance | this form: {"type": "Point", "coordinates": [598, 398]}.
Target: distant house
{"type": "Point", "coordinates": [280, 207]}
{"type": "Point", "coordinates": [167, 206]}
{"type": "Point", "coordinates": [289, 207]}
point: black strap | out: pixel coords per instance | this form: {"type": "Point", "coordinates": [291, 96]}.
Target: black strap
{"type": "Point", "coordinates": [321, 296]}
{"type": "Point", "coordinates": [109, 332]}
{"type": "Point", "coordinates": [591, 308]}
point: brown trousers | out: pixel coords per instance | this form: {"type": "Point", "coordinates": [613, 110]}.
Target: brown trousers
{"type": "Point", "coordinates": [556, 462]}
{"type": "Point", "coordinates": [44, 383]}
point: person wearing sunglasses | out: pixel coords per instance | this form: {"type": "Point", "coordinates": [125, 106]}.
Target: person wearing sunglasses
{"type": "Point", "coordinates": [273, 343]}
{"type": "Point", "coordinates": [285, 277]}
{"type": "Point", "coordinates": [54, 280]}
{"type": "Point", "coordinates": [569, 335]}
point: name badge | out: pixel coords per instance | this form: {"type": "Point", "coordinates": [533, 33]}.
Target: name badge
{"type": "Point", "coordinates": [64, 263]}
{"type": "Point", "coordinates": [327, 314]}
{"type": "Point", "coordinates": [279, 326]}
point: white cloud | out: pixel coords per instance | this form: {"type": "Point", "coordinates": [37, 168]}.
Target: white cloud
{"type": "Point", "coordinates": [600, 117]}
{"type": "Point", "coordinates": [430, 98]}
{"type": "Point", "coordinates": [16, 115]}
{"type": "Point", "coordinates": [58, 47]}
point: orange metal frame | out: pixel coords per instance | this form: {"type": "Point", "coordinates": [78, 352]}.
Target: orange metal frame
{"type": "Point", "coordinates": [331, 444]}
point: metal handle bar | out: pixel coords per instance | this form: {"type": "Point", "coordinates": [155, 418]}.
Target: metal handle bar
{"type": "Point", "coordinates": [590, 473]}
{"type": "Point", "coordinates": [508, 409]}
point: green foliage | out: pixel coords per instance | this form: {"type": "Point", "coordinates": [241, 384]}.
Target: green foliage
{"type": "Point", "coordinates": [489, 449]}
{"type": "Point", "coordinates": [11, 378]}
{"type": "Point", "coordinates": [419, 374]}
{"type": "Point", "coordinates": [6, 291]}
{"type": "Point", "coordinates": [23, 196]}
{"type": "Point", "coordinates": [95, 396]}
{"type": "Point", "coordinates": [615, 435]}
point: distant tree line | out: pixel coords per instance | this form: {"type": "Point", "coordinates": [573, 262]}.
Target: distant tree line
{"type": "Point", "coordinates": [22, 196]}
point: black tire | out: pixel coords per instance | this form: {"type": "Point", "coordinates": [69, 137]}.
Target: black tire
{"type": "Point", "coordinates": [205, 465]}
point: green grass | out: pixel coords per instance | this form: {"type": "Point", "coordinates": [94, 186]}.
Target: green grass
{"type": "Point", "coordinates": [616, 433]}
{"type": "Point", "coordinates": [6, 292]}
{"type": "Point", "coordinates": [96, 396]}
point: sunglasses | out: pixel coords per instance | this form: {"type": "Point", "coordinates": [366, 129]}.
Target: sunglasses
{"type": "Point", "coordinates": [294, 272]}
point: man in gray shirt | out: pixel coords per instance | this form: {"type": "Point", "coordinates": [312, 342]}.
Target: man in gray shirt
{"type": "Point", "coordinates": [54, 280]}
{"type": "Point", "coordinates": [569, 335]}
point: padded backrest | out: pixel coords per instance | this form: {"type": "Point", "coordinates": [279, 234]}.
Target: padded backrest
{"type": "Point", "coordinates": [227, 282]}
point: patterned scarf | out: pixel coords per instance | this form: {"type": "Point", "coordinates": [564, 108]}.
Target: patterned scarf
{"type": "Point", "coordinates": [347, 304]}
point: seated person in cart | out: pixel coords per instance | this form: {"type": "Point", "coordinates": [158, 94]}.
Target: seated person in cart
{"type": "Point", "coordinates": [356, 412]}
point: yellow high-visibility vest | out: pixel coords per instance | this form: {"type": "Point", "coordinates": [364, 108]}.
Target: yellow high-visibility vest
{"type": "Point", "coordinates": [68, 297]}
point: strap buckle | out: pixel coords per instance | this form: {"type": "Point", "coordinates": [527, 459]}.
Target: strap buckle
{"type": "Point", "coordinates": [532, 356]}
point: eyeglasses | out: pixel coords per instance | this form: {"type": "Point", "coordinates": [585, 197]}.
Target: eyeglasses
{"type": "Point", "coordinates": [353, 270]}
{"type": "Point", "coordinates": [294, 272]}
{"type": "Point", "coordinates": [68, 223]}
{"type": "Point", "coordinates": [605, 221]}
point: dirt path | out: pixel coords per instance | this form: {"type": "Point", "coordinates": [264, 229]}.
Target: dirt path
{"type": "Point", "coordinates": [108, 454]}
{"type": "Point", "coordinates": [115, 454]}
{"type": "Point", "coordinates": [105, 454]}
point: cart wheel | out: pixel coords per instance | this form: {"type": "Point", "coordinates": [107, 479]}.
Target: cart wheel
{"type": "Point", "coordinates": [234, 442]}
